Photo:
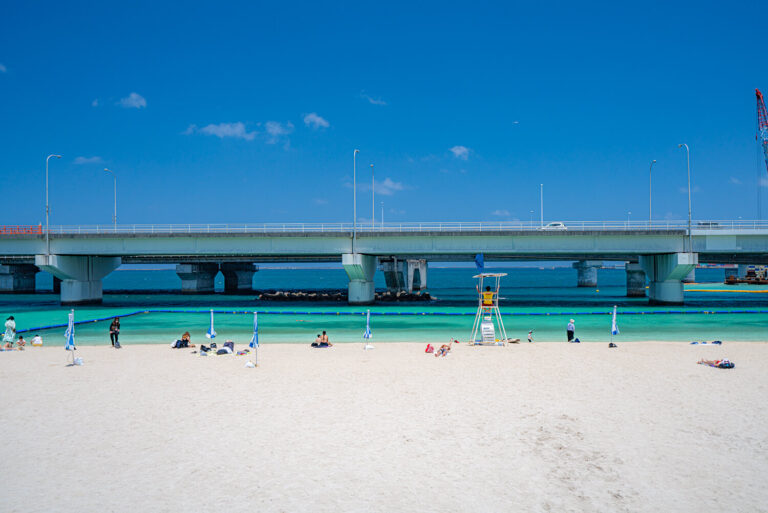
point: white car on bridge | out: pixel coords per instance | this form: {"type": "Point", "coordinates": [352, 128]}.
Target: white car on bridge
{"type": "Point", "coordinates": [555, 225]}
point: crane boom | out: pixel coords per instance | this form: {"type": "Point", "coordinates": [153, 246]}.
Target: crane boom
{"type": "Point", "coordinates": [762, 125]}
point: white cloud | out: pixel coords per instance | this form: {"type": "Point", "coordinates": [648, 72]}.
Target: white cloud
{"type": "Point", "coordinates": [320, 201]}
{"type": "Point", "coordinates": [133, 101]}
{"type": "Point", "coordinates": [735, 180]}
{"type": "Point", "coordinates": [89, 160]}
{"type": "Point", "coordinates": [3, 69]}
{"type": "Point", "coordinates": [500, 213]}
{"type": "Point", "coordinates": [515, 122]}
{"type": "Point", "coordinates": [460, 152]}
{"type": "Point", "coordinates": [388, 187]}
{"type": "Point", "coordinates": [372, 100]}
{"type": "Point", "coordinates": [764, 182]}
{"type": "Point", "coordinates": [314, 121]}
{"type": "Point", "coordinates": [277, 130]}
{"type": "Point", "coordinates": [236, 130]}
{"type": "Point", "coordinates": [95, 103]}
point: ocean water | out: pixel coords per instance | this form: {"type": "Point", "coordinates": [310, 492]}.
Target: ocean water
{"type": "Point", "coordinates": [541, 299]}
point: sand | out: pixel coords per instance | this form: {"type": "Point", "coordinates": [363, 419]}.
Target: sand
{"type": "Point", "coordinates": [529, 427]}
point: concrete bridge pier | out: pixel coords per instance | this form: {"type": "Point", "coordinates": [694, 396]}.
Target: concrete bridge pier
{"type": "Point", "coordinates": [665, 273]}
{"type": "Point", "coordinates": [393, 274]}
{"type": "Point", "coordinates": [587, 272]}
{"type": "Point", "coordinates": [635, 280]}
{"type": "Point", "coordinates": [360, 269]}
{"type": "Point", "coordinates": [197, 278]}
{"type": "Point", "coordinates": [238, 277]}
{"type": "Point", "coordinates": [417, 274]}
{"type": "Point", "coordinates": [17, 278]}
{"type": "Point", "coordinates": [81, 275]}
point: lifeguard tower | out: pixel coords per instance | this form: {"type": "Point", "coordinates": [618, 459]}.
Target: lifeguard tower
{"type": "Point", "coordinates": [488, 285]}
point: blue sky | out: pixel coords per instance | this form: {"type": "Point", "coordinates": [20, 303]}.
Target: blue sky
{"type": "Point", "coordinates": [249, 112]}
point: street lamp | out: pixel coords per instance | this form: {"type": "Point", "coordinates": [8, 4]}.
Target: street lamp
{"type": "Point", "coordinates": [541, 203]}
{"type": "Point", "coordinates": [47, 210]}
{"type": "Point", "coordinates": [373, 200]}
{"type": "Point", "coordinates": [354, 199]}
{"type": "Point", "coordinates": [649, 192]}
{"type": "Point", "coordinates": [628, 214]}
{"type": "Point", "coordinates": [530, 219]}
{"type": "Point", "coordinates": [382, 216]}
{"type": "Point", "coordinates": [688, 154]}
{"type": "Point", "coordinates": [114, 177]}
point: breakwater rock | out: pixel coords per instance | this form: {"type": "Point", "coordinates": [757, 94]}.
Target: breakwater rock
{"type": "Point", "coordinates": [336, 295]}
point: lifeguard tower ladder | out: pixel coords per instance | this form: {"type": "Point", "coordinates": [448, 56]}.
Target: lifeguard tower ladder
{"type": "Point", "coordinates": [488, 312]}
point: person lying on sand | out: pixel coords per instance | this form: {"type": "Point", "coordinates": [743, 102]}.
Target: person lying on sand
{"type": "Point", "coordinates": [444, 349]}
{"type": "Point", "coordinates": [721, 364]}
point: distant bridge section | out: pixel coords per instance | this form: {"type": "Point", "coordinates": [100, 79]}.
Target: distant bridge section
{"type": "Point", "coordinates": [82, 255]}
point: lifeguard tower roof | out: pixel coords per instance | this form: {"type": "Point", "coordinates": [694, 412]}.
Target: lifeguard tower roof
{"type": "Point", "coordinates": [487, 275]}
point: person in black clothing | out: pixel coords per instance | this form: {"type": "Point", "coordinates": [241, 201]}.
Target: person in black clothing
{"type": "Point", "coordinates": [114, 331]}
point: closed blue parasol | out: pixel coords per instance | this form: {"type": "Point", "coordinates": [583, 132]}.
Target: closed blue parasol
{"type": "Point", "coordinates": [368, 333]}
{"type": "Point", "coordinates": [211, 332]}
{"type": "Point", "coordinates": [255, 338]}
{"type": "Point", "coordinates": [69, 335]}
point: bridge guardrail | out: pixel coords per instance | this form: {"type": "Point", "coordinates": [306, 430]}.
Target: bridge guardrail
{"type": "Point", "coordinates": [613, 226]}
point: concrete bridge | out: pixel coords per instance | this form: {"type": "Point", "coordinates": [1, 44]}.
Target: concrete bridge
{"type": "Point", "coordinates": [661, 253]}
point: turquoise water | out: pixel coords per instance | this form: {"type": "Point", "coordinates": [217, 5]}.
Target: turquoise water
{"type": "Point", "coordinates": [538, 299]}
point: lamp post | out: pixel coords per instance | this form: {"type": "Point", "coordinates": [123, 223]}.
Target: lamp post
{"type": "Point", "coordinates": [530, 219]}
{"type": "Point", "coordinates": [47, 210]}
{"type": "Point", "coordinates": [541, 203]}
{"type": "Point", "coordinates": [382, 216]}
{"type": "Point", "coordinates": [373, 200]}
{"type": "Point", "coordinates": [354, 199]}
{"type": "Point", "coordinates": [649, 193]}
{"type": "Point", "coordinates": [628, 214]}
{"type": "Point", "coordinates": [114, 177]}
{"type": "Point", "coordinates": [688, 155]}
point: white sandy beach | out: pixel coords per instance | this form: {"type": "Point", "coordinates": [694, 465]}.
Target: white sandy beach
{"type": "Point", "coordinates": [529, 427]}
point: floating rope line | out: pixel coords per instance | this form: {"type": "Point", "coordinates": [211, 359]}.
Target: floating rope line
{"type": "Point", "coordinates": [350, 313]}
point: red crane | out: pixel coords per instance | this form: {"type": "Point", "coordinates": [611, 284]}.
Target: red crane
{"type": "Point", "coordinates": [762, 124]}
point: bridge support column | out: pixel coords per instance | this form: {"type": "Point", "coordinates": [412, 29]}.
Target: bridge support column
{"type": "Point", "coordinates": [238, 277]}
{"type": "Point", "coordinates": [665, 273]}
{"type": "Point", "coordinates": [393, 274]}
{"type": "Point", "coordinates": [360, 269]}
{"type": "Point", "coordinates": [197, 278]}
{"type": "Point", "coordinates": [56, 285]}
{"type": "Point", "coordinates": [587, 272]}
{"type": "Point", "coordinates": [417, 269]}
{"type": "Point", "coordinates": [81, 275]}
{"type": "Point", "coordinates": [17, 278]}
{"type": "Point", "coordinates": [635, 280]}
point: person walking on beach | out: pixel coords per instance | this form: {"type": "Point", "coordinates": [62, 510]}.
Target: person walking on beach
{"type": "Point", "coordinates": [570, 329]}
{"type": "Point", "coordinates": [10, 330]}
{"type": "Point", "coordinates": [114, 331]}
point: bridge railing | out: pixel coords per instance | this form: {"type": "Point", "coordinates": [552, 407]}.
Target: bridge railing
{"type": "Point", "coordinates": [705, 225]}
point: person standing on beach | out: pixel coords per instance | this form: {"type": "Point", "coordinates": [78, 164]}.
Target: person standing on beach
{"type": "Point", "coordinates": [570, 329]}
{"type": "Point", "coordinates": [10, 330]}
{"type": "Point", "coordinates": [114, 331]}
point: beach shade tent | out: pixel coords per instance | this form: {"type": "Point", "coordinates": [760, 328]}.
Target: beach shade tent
{"type": "Point", "coordinates": [254, 343]}
{"type": "Point", "coordinates": [69, 335]}
{"type": "Point", "coordinates": [368, 335]}
{"type": "Point", "coordinates": [211, 332]}
{"type": "Point", "coordinates": [488, 312]}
